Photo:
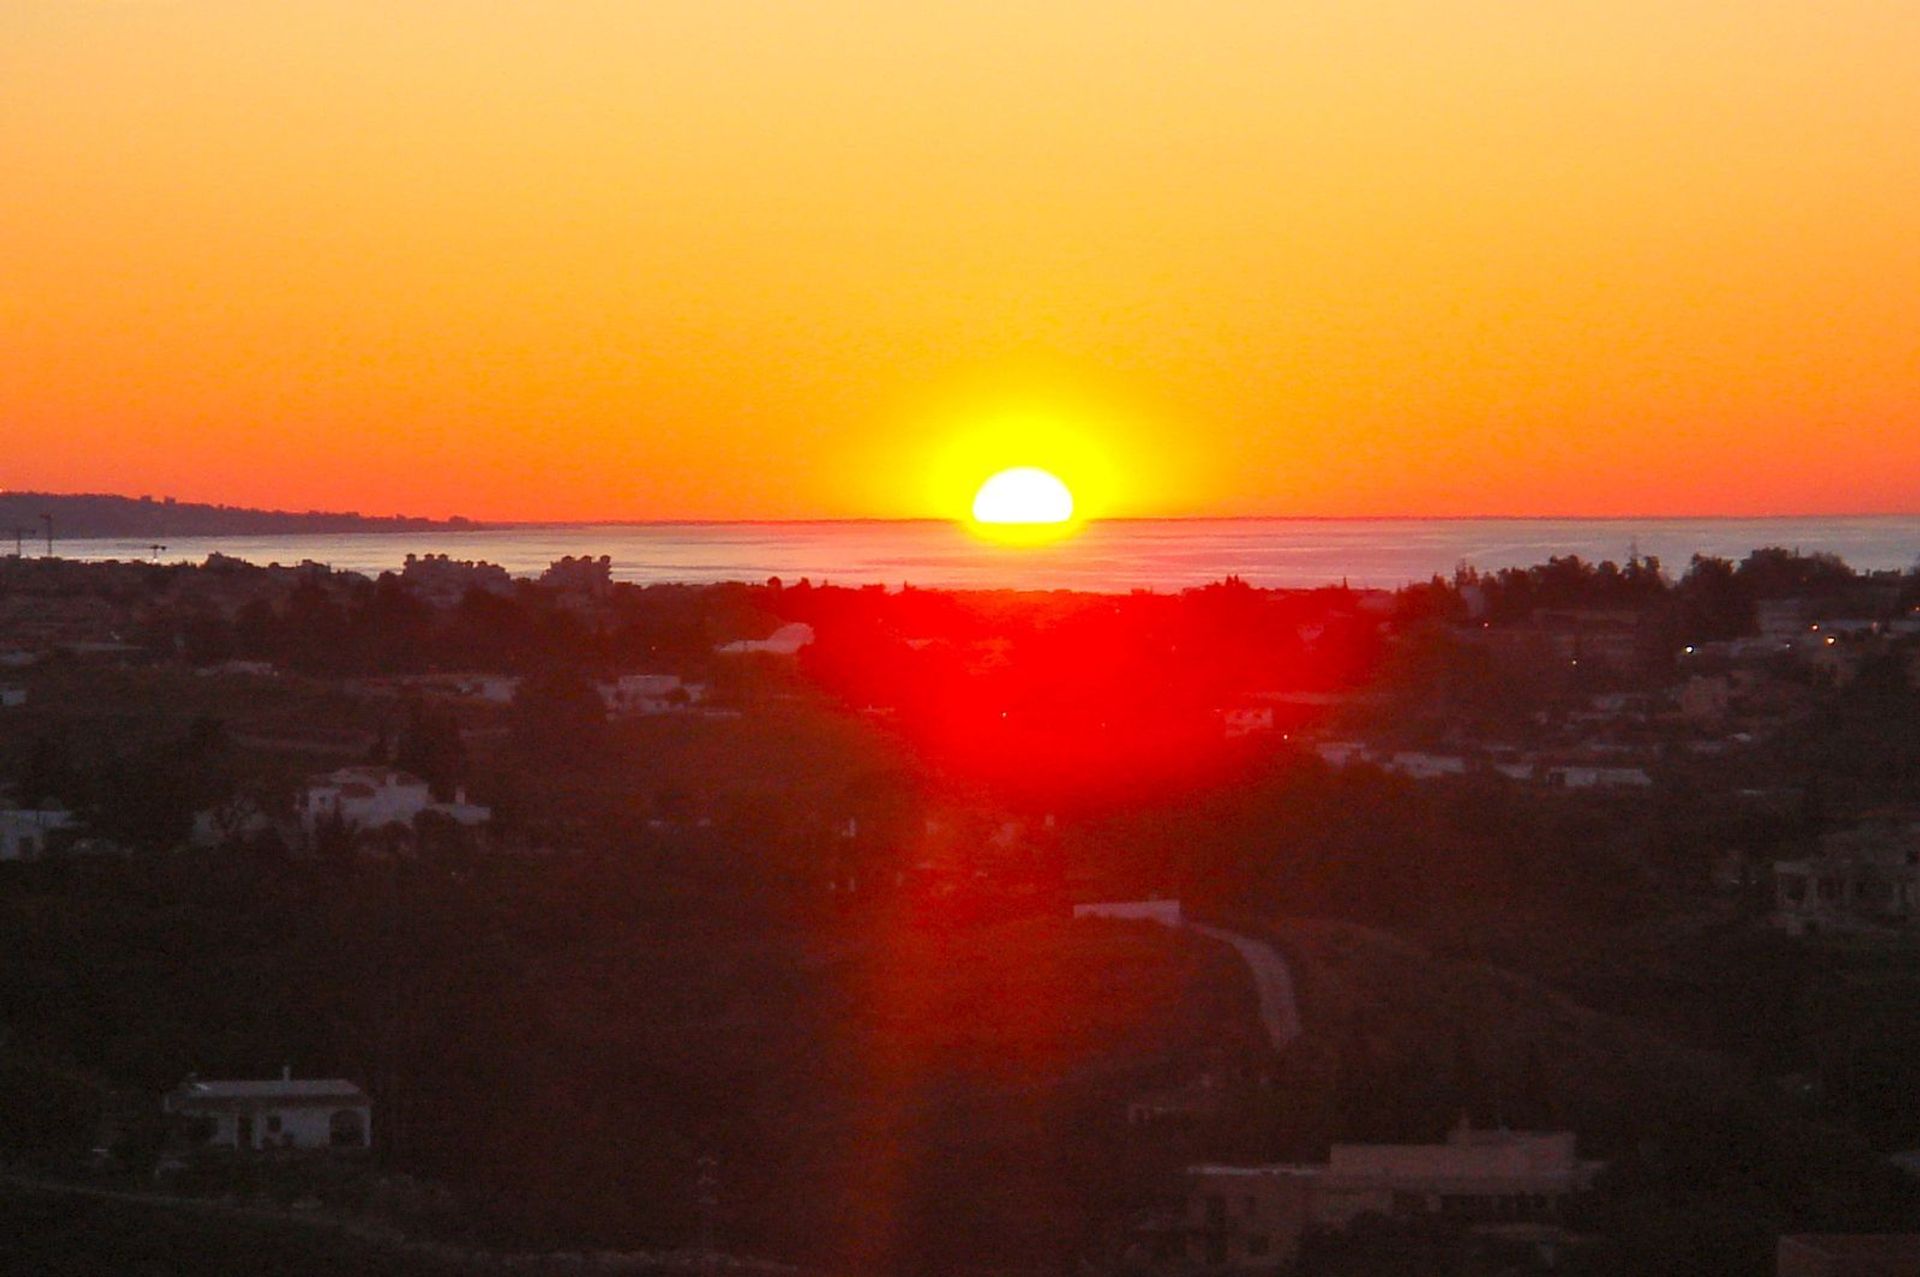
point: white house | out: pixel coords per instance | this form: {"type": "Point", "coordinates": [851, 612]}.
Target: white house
{"type": "Point", "coordinates": [649, 694]}
{"type": "Point", "coordinates": [1164, 912]}
{"type": "Point", "coordinates": [23, 831]}
{"type": "Point", "coordinates": [249, 669]}
{"type": "Point", "coordinates": [238, 816]}
{"type": "Point", "coordinates": [494, 689]}
{"type": "Point", "coordinates": [374, 797]}
{"type": "Point", "coordinates": [1864, 877]}
{"type": "Point", "coordinates": [1246, 720]}
{"type": "Point", "coordinates": [1418, 766]}
{"type": "Point", "coordinates": [284, 1112]}
{"type": "Point", "coordinates": [1253, 1217]}
{"type": "Point", "coordinates": [1338, 753]}
{"type": "Point", "coordinates": [785, 641]}
{"type": "Point", "coordinates": [1481, 1174]}
{"type": "Point", "coordinates": [1577, 777]}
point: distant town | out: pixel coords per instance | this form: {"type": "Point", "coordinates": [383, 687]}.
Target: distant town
{"type": "Point", "coordinates": [1563, 918]}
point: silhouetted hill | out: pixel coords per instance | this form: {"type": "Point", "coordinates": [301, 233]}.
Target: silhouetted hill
{"type": "Point", "coordinates": [1417, 1039]}
{"type": "Point", "coordinates": [83, 515]}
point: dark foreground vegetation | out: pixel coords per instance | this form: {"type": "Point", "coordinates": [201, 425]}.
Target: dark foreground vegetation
{"type": "Point", "coordinates": [809, 935]}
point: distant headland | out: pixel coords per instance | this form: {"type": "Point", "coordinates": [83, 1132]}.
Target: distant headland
{"type": "Point", "coordinates": [78, 516]}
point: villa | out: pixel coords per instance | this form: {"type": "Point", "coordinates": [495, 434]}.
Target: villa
{"type": "Point", "coordinates": [367, 798]}
{"type": "Point", "coordinates": [279, 1113]}
{"type": "Point", "coordinates": [1255, 1216]}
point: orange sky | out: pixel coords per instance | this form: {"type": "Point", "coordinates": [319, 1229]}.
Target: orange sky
{"type": "Point", "coordinates": [708, 258]}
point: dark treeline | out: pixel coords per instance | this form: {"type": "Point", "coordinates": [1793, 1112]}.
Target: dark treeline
{"type": "Point", "coordinates": [339, 624]}
{"type": "Point", "coordinates": [1714, 598]}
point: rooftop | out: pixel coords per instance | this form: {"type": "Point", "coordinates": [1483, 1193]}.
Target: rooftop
{"type": "Point", "coordinates": [282, 1090]}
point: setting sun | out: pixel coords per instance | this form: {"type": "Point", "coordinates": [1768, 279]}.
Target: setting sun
{"type": "Point", "coordinates": [1025, 497]}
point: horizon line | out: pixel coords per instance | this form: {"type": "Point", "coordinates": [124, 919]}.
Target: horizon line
{"type": "Point", "coordinates": [462, 525]}
{"type": "Point", "coordinates": [457, 522]}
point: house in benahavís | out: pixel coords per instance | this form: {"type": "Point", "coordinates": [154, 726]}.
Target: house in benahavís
{"type": "Point", "coordinates": [368, 798]}
{"type": "Point", "coordinates": [24, 831]}
{"type": "Point", "coordinates": [633, 694]}
{"type": "Point", "coordinates": [1255, 1216]}
{"type": "Point", "coordinates": [287, 1112]}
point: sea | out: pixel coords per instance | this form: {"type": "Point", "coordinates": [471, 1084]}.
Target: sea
{"type": "Point", "coordinates": [1107, 556]}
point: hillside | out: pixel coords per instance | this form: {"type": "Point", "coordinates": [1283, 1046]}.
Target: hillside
{"type": "Point", "coordinates": [1706, 1165]}
{"type": "Point", "coordinates": [81, 516]}
{"type": "Point", "coordinates": [1416, 1040]}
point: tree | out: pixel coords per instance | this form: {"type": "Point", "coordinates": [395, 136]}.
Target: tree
{"type": "Point", "coordinates": [430, 747]}
{"type": "Point", "coordinates": [558, 714]}
{"type": "Point", "coordinates": [46, 776]}
{"type": "Point", "coordinates": [1715, 602]}
{"type": "Point", "coordinates": [144, 801]}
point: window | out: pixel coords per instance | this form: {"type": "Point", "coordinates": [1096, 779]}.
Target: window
{"type": "Point", "coordinates": [1257, 1245]}
{"type": "Point", "coordinates": [1247, 1206]}
{"type": "Point", "coordinates": [273, 1123]}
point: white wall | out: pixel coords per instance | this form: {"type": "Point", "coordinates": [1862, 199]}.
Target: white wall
{"type": "Point", "coordinates": [301, 1126]}
{"type": "Point", "coordinates": [1164, 912]}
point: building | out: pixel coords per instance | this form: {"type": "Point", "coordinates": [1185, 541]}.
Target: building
{"type": "Point", "coordinates": [281, 1113]}
{"type": "Point", "coordinates": [1200, 1101]}
{"type": "Point", "coordinates": [1476, 1175]}
{"type": "Point", "coordinates": [649, 694]}
{"type": "Point", "coordinates": [24, 831]}
{"type": "Point", "coordinates": [1164, 912]}
{"type": "Point", "coordinates": [1246, 720]}
{"type": "Point", "coordinates": [1864, 877]}
{"type": "Point", "coordinates": [443, 580]}
{"type": "Point", "coordinates": [1255, 1216]}
{"type": "Point", "coordinates": [1248, 1216]}
{"type": "Point", "coordinates": [494, 689]}
{"type": "Point", "coordinates": [585, 576]}
{"type": "Point", "coordinates": [1587, 777]}
{"type": "Point", "coordinates": [366, 798]}
{"type": "Point", "coordinates": [246, 669]}
{"type": "Point", "coordinates": [1340, 753]}
{"type": "Point", "coordinates": [239, 817]}
{"type": "Point", "coordinates": [785, 641]}
{"type": "Point", "coordinates": [1418, 766]}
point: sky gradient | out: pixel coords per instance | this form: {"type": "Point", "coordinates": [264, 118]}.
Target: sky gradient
{"type": "Point", "coordinates": [716, 259]}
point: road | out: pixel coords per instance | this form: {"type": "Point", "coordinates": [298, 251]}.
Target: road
{"type": "Point", "coordinates": [1272, 982]}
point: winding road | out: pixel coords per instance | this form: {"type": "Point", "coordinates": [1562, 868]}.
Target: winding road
{"type": "Point", "coordinates": [1272, 982]}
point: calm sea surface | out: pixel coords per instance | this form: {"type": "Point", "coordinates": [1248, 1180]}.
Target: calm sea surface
{"type": "Point", "coordinates": [1113, 556]}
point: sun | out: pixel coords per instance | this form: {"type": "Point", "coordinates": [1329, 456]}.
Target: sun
{"type": "Point", "coordinates": [1024, 500]}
